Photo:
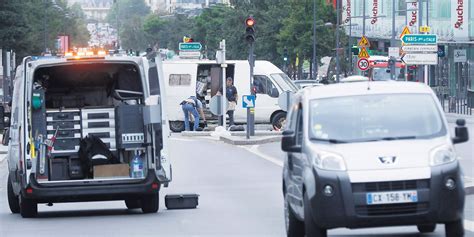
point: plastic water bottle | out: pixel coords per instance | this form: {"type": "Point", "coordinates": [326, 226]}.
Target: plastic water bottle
{"type": "Point", "coordinates": [137, 167]}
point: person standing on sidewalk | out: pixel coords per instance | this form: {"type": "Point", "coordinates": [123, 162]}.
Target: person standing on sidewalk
{"type": "Point", "coordinates": [231, 94]}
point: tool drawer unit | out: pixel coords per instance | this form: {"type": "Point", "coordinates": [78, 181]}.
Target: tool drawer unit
{"type": "Point", "coordinates": [68, 125]}
{"type": "Point", "coordinates": [100, 122]}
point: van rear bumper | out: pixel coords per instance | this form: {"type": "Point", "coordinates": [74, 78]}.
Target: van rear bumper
{"type": "Point", "coordinates": [65, 192]}
{"type": "Point", "coordinates": [347, 207]}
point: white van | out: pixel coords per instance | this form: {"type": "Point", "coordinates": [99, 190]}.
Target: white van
{"type": "Point", "coordinates": [370, 155]}
{"type": "Point", "coordinates": [60, 104]}
{"type": "Point", "coordinates": [202, 78]}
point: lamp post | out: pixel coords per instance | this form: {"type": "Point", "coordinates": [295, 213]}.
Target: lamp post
{"type": "Point", "coordinates": [337, 40]}
{"type": "Point", "coordinates": [315, 64]}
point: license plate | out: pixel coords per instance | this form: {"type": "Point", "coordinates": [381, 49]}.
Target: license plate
{"type": "Point", "coordinates": [392, 197]}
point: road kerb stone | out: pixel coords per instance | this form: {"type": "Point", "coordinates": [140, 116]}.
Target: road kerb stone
{"type": "Point", "coordinates": [238, 140]}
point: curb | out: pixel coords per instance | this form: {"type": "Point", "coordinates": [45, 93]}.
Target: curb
{"type": "Point", "coordinates": [451, 117]}
{"type": "Point", "coordinates": [237, 134]}
{"type": "Point", "coordinates": [469, 190]}
{"type": "Point", "coordinates": [235, 140]}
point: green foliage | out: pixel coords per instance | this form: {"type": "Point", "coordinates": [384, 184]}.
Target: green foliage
{"type": "Point", "coordinates": [131, 17]}
{"type": "Point", "coordinates": [28, 27]}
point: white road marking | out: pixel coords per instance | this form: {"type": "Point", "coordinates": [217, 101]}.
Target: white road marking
{"type": "Point", "coordinates": [469, 225]}
{"type": "Point", "coordinates": [254, 149]}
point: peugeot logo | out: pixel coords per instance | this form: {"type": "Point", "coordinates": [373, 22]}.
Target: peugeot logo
{"type": "Point", "coordinates": [387, 159]}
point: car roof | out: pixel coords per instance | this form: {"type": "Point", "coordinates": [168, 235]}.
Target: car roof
{"type": "Point", "coordinates": [62, 60]}
{"type": "Point", "coordinates": [354, 78]}
{"type": "Point", "coordinates": [355, 89]}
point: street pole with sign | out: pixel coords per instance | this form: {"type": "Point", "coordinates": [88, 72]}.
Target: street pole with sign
{"type": "Point", "coordinates": [250, 38]}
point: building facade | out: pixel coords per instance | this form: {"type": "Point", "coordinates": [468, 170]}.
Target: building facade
{"type": "Point", "coordinates": [95, 10]}
{"type": "Point", "coordinates": [451, 20]}
{"type": "Point", "coordinates": [181, 6]}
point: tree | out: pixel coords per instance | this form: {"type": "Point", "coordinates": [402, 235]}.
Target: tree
{"type": "Point", "coordinates": [130, 20]}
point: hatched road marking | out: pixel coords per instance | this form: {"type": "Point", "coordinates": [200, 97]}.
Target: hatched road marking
{"type": "Point", "coordinates": [254, 149]}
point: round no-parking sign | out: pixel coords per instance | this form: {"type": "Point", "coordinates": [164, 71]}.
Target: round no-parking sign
{"type": "Point", "coordinates": [363, 64]}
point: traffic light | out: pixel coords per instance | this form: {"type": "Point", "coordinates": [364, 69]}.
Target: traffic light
{"type": "Point", "coordinates": [250, 30]}
{"type": "Point", "coordinates": [285, 55]}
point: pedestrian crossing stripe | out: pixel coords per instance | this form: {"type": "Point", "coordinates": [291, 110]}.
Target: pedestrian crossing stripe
{"type": "Point", "coordinates": [364, 42]}
{"type": "Point", "coordinates": [363, 53]}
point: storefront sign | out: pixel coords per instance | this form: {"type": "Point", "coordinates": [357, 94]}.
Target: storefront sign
{"type": "Point", "coordinates": [347, 11]}
{"type": "Point", "coordinates": [375, 11]}
{"type": "Point", "coordinates": [459, 19]}
{"type": "Point", "coordinates": [460, 55]}
{"type": "Point", "coordinates": [412, 19]}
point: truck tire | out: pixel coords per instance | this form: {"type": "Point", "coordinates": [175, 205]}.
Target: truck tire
{"type": "Point", "coordinates": [311, 228]}
{"type": "Point", "coordinates": [13, 201]}
{"type": "Point", "coordinates": [426, 228]}
{"type": "Point", "coordinates": [132, 203]}
{"type": "Point", "coordinates": [177, 126]}
{"type": "Point", "coordinates": [454, 229]}
{"type": "Point", "coordinates": [278, 121]}
{"type": "Point", "coordinates": [294, 227]}
{"type": "Point", "coordinates": [150, 203]}
{"type": "Point", "coordinates": [28, 207]}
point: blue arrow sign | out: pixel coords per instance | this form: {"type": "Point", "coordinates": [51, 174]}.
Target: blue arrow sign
{"type": "Point", "coordinates": [248, 101]}
{"type": "Point", "coordinates": [420, 39]}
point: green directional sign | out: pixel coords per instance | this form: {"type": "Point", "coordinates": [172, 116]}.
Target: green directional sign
{"type": "Point", "coordinates": [420, 39]}
{"type": "Point", "coordinates": [194, 46]}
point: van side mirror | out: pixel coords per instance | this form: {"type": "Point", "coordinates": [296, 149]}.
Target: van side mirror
{"type": "Point", "coordinates": [460, 132]}
{"type": "Point", "coordinates": [288, 142]}
{"type": "Point", "coordinates": [274, 93]}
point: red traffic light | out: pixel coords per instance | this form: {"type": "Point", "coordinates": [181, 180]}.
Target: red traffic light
{"type": "Point", "coordinates": [249, 22]}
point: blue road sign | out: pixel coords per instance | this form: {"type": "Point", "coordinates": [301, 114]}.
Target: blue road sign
{"type": "Point", "coordinates": [248, 101]}
{"type": "Point", "coordinates": [420, 39]}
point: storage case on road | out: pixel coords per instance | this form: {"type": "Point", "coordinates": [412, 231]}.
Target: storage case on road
{"type": "Point", "coordinates": [181, 201]}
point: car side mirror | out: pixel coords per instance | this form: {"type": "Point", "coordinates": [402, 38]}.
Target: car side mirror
{"type": "Point", "coordinates": [460, 132]}
{"type": "Point", "coordinates": [288, 142]}
{"type": "Point", "coordinates": [274, 93]}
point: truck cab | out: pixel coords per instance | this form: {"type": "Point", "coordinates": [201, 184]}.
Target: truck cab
{"type": "Point", "coordinates": [87, 128]}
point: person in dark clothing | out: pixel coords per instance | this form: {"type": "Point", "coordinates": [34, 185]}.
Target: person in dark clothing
{"type": "Point", "coordinates": [231, 95]}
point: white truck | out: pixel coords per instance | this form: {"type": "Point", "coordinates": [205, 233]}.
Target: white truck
{"type": "Point", "coordinates": [58, 103]}
{"type": "Point", "coordinates": [203, 78]}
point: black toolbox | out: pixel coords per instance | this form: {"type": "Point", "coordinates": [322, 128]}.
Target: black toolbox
{"type": "Point", "coordinates": [181, 201]}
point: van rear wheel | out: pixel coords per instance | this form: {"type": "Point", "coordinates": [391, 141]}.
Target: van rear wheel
{"type": "Point", "coordinates": [28, 207]}
{"type": "Point", "coordinates": [426, 228]}
{"type": "Point", "coordinates": [13, 201]}
{"type": "Point", "coordinates": [150, 203]}
{"type": "Point", "coordinates": [278, 121]}
{"type": "Point", "coordinates": [177, 126]}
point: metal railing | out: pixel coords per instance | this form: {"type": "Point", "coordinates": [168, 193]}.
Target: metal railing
{"type": "Point", "coordinates": [462, 103]}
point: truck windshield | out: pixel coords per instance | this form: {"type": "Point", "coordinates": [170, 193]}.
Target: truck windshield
{"type": "Point", "coordinates": [284, 82]}
{"type": "Point", "coordinates": [375, 118]}
{"type": "Point", "coordinates": [383, 74]}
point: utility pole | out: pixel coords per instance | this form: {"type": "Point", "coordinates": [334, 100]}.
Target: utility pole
{"type": "Point", "coordinates": [337, 39]}
{"type": "Point", "coordinates": [425, 67]}
{"type": "Point", "coordinates": [224, 89]}
{"type": "Point", "coordinates": [392, 42]}
{"type": "Point", "coordinates": [45, 32]}
{"type": "Point", "coordinates": [315, 63]}
{"type": "Point", "coordinates": [117, 22]}
{"type": "Point", "coordinates": [363, 17]}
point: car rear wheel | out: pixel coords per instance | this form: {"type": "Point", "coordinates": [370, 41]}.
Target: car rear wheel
{"type": "Point", "coordinates": [150, 203]}
{"type": "Point", "coordinates": [426, 228]}
{"type": "Point", "coordinates": [454, 229]}
{"type": "Point", "coordinates": [28, 207]}
{"type": "Point", "coordinates": [132, 203]}
{"type": "Point", "coordinates": [177, 126]}
{"type": "Point", "coordinates": [294, 227]}
{"type": "Point", "coordinates": [311, 228]}
{"type": "Point", "coordinates": [13, 201]}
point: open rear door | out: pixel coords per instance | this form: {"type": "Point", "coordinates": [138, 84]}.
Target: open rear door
{"type": "Point", "coordinates": [161, 133]}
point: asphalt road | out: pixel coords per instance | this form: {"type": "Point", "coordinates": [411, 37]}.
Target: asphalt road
{"type": "Point", "coordinates": [240, 195]}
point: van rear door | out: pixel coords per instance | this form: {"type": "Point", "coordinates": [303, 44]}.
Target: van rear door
{"type": "Point", "coordinates": [154, 76]}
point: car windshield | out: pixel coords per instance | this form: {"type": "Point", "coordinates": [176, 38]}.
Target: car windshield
{"type": "Point", "coordinates": [383, 74]}
{"type": "Point", "coordinates": [375, 118]}
{"type": "Point", "coordinates": [284, 82]}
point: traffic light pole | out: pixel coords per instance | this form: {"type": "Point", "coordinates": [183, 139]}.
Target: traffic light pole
{"type": "Point", "coordinates": [392, 41]}
{"type": "Point", "coordinates": [251, 111]}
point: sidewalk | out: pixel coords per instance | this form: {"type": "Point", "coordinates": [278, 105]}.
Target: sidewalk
{"type": "Point", "coordinates": [452, 117]}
